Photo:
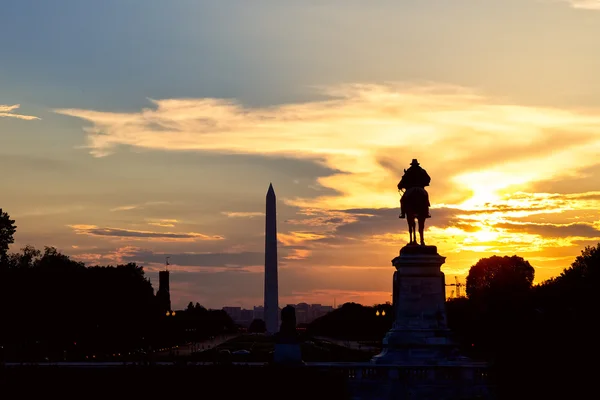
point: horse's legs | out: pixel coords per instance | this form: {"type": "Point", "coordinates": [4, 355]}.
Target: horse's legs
{"type": "Point", "coordinates": [421, 229]}
{"type": "Point", "coordinates": [412, 228]}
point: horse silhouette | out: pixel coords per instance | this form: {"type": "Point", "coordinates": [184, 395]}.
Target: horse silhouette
{"type": "Point", "coordinates": [416, 206]}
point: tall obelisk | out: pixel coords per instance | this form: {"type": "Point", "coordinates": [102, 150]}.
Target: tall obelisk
{"type": "Point", "coordinates": [271, 286]}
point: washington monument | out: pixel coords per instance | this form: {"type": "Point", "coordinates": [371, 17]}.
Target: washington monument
{"type": "Point", "coordinates": [271, 286]}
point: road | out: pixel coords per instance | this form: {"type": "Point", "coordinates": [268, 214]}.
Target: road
{"type": "Point", "coordinates": [348, 344]}
{"type": "Point", "coordinates": [188, 349]}
{"type": "Point", "coordinates": [92, 364]}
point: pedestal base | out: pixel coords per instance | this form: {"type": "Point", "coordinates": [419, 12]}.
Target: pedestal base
{"type": "Point", "coordinates": [423, 361]}
{"type": "Point", "coordinates": [287, 353]}
{"type": "Point", "coordinates": [404, 347]}
{"type": "Point", "coordinates": [419, 334]}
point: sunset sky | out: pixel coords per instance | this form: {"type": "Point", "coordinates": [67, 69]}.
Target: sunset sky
{"type": "Point", "coordinates": [132, 130]}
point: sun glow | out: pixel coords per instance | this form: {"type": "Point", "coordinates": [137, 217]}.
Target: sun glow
{"type": "Point", "coordinates": [482, 235]}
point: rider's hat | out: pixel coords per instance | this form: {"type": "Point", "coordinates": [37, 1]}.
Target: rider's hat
{"type": "Point", "coordinates": [414, 162]}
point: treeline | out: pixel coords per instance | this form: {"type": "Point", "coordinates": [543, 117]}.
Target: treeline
{"type": "Point", "coordinates": [540, 339]}
{"type": "Point", "coordinates": [354, 322]}
{"type": "Point", "coordinates": [55, 308]}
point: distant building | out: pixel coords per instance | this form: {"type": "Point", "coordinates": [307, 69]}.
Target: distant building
{"type": "Point", "coordinates": [239, 315]}
{"type": "Point", "coordinates": [246, 317]}
{"type": "Point", "coordinates": [234, 312]}
{"type": "Point", "coordinates": [302, 313]}
{"type": "Point", "coordinates": [318, 310]}
{"type": "Point", "coordinates": [305, 313]}
{"type": "Point", "coordinates": [163, 295]}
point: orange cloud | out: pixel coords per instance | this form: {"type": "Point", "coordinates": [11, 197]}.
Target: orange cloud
{"type": "Point", "coordinates": [138, 206]}
{"type": "Point", "coordinates": [297, 254]}
{"type": "Point", "coordinates": [296, 238]}
{"type": "Point", "coordinates": [6, 111]}
{"type": "Point", "coordinates": [128, 234]}
{"type": "Point", "coordinates": [118, 256]}
{"type": "Point", "coordinates": [242, 214]}
{"type": "Point", "coordinates": [584, 4]}
{"type": "Point", "coordinates": [359, 125]}
{"type": "Point", "coordinates": [167, 223]}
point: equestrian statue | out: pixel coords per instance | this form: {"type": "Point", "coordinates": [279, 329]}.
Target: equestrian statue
{"type": "Point", "coordinates": [414, 203]}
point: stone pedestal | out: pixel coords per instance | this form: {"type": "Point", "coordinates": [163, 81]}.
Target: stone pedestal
{"type": "Point", "coordinates": [287, 346]}
{"type": "Point", "coordinates": [287, 354]}
{"type": "Point", "coordinates": [419, 334]}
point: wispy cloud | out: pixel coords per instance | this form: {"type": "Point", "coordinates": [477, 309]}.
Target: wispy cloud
{"type": "Point", "coordinates": [165, 223]}
{"type": "Point", "coordinates": [574, 230]}
{"type": "Point", "coordinates": [242, 214]}
{"type": "Point", "coordinates": [7, 111]}
{"type": "Point", "coordinates": [94, 230]}
{"type": "Point", "coordinates": [125, 208]}
{"type": "Point", "coordinates": [230, 260]}
{"type": "Point", "coordinates": [297, 238]}
{"type": "Point", "coordinates": [130, 207]}
{"type": "Point", "coordinates": [584, 4]}
{"type": "Point", "coordinates": [117, 256]}
{"type": "Point", "coordinates": [298, 254]}
{"type": "Point", "coordinates": [370, 132]}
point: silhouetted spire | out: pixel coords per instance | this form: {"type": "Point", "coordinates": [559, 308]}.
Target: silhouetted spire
{"type": "Point", "coordinates": [271, 298]}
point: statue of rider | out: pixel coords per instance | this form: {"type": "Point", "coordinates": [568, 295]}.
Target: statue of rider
{"type": "Point", "coordinates": [414, 176]}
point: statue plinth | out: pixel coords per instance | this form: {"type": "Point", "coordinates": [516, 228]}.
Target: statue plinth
{"type": "Point", "coordinates": [419, 333]}
{"type": "Point", "coordinates": [287, 346]}
{"type": "Point", "coordinates": [417, 249]}
{"type": "Point", "coordinates": [287, 354]}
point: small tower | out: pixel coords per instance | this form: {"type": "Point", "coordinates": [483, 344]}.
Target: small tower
{"type": "Point", "coordinates": [163, 295]}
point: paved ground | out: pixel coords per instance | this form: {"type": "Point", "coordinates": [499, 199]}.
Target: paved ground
{"type": "Point", "coordinates": [188, 349]}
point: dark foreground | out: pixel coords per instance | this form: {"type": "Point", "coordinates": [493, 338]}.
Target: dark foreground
{"type": "Point", "coordinates": [164, 382]}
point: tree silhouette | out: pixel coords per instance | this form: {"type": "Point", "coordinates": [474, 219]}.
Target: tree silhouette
{"type": "Point", "coordinates": [499, 276]}
{"type": "Point", "coordinates": [585, 267]}
{"type": "Point", "coordinates": [7, 231]}
{"type": "Point", "coordinates": [354, 321]}
{"type": "Point", "coordinates": [573, 294]}
{"type": "Point", "coordinates": [55, 307]}
{"type": "Point", "coordinates": [27, 258]}
{"type": "Point", "coordinates": [51, 305]}
{"type": "Point", "coordinates": [257, 326]}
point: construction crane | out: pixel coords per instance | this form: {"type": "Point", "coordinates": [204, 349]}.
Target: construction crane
{"type": "Point", "coordinates": [458, 286]}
